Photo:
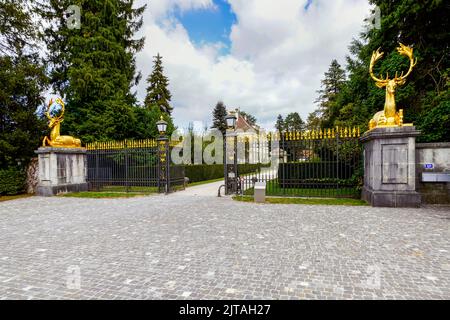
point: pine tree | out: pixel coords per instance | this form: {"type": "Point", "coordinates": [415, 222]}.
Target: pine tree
{"type": "Point", "coordinates": [23, 80]}
{"type": "Point", "coordinates": [219, 114]}
{"type": "Point", "coordinates": [279, 125]}
{"type": "Point", "coordinates": [146, 126]}
{"type": "Point", "coordinates": [332, 84]}
{"type": "Point", "coordinates": [314, 121]}
{"type": "Point", "coordinates": [94, 67]}
{"type": "Point", "coordinates": [157, 92]}
{"type": "Point", "coordinates": [425, 97]}
{"type": "Point", "coordinates": [294, 122]}
{"type": "Point", "coordinates": [251, 119]}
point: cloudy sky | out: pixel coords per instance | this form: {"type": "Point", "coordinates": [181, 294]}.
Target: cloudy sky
{"type": "Point", "coordinates": [263, 56]}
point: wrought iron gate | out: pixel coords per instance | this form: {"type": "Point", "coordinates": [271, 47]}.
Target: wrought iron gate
{"type": "Point", "coordinates": [132, 165]}
{"type": "Point", "coordinates": [317, 163]}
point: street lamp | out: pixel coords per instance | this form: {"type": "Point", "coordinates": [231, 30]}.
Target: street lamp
{"type": "Point", "coordinates": [163, 157]}
{"type": "Point", "coordinates": [230, 167]}
{"type": "Point", "coordinates": [162, 126]}
{"type": "Point", "coordinates": [231, 121]}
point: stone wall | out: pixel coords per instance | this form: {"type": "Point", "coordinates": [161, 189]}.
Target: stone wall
{"type": "Point", "coordinates": [32, 178]}
{"type": "Point", "coordinates": [437, 154]}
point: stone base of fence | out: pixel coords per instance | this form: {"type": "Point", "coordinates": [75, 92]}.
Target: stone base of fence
{"type": "Point", "coordinates": [390, 167]}
{"type": "Point", "coordinates": [61, 170]}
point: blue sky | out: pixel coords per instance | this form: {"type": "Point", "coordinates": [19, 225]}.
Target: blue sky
{"type": "Point", "coordinates": [274, 52]}
{"type": "Point", "coordinates": [207, 25]}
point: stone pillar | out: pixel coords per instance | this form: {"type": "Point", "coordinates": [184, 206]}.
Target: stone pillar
{"type": "Point", "coordinates": [61, 170]}
{"type": "Point", "coordinates": [390, 167]}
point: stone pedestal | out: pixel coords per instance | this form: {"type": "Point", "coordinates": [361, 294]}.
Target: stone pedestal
{"type": "Point", "coordinates": [390, 167]}
{"type": "Point", "coordinates": [61, 170]}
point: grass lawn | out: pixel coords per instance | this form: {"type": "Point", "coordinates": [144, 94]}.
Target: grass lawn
{"type": "Point", "coordinates": [113, 192]}
{"type": "Point", "coordinates": [274, 189]}
{"type": "Point", "coordinates": [130, 189]}
{"type": "Point", "coordinates": [104, 194]}
{"type": "Point", "coordinates": [314, 201]}
{"type": "Point", "coordinates": [16, 196]}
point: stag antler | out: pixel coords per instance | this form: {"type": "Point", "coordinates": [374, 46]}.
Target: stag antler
{"type": "Point", "coordinates": [376, 55]}
{"type": "Point", "coordinates": [408, 52]}
{"type": "Point", "coordinates": [50, 103]}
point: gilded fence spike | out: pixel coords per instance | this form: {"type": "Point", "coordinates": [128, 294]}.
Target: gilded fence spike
{"type": "Point", "coordinates": [358, 132]}
{"type": "Point", "coordinates": [320, 134]}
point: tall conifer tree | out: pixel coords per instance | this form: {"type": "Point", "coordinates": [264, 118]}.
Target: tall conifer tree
{"type": "Point", "coordinates": [219, 114]}
{"type": "Point", "coordinates": [157, 92]}
{"type": "Point", "coordinates": [94, 67]}
{"type": "Point", "coordinates": [23, 80]}
{"type": "Point", "coordinates": [332, 84]}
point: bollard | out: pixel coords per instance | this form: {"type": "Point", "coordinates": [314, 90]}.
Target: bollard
{"type": "Point", "coordinates": [260, 192]}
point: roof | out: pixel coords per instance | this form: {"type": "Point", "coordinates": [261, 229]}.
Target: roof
{"type": "Point", "coordinates": [242, 123]}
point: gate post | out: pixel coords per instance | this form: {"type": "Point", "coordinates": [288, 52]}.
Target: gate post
{"type": "Point", "coordinates": [390, 167]}
{"type": "Point", "coordinates": [61, 170]}
{"type": "Point", "coordinates": [163, 157]}
{"type": "Point", "coordinates": [163, 165]}
{"type": "Point", "coordinates": [231, 172]}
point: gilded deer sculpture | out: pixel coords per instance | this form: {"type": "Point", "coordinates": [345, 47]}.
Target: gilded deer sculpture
{"type": "Point", "coordinates": [55, 139]}
{"type": "Point", "coordinates": [389, 117]}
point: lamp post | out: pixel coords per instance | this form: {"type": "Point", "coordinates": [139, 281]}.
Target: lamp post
{"type": "Point", "coordinates": [163, 156]}
{"type": "Point", "coordinates": [230, 164]}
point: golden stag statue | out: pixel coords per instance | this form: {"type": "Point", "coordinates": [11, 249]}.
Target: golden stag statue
{"type": "Point", "coordinates": [389, 117]}
{"type": "Point", "coordinates": [56, 140]}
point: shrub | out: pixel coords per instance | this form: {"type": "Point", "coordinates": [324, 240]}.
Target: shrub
{"type": "Point", "coordinates": [12, 181]}
{"type": "Point", "coordinates": [203, 172]}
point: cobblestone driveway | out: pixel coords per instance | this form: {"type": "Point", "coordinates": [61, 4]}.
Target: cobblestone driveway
{"type": "Point", "coordinates": [181, 246]}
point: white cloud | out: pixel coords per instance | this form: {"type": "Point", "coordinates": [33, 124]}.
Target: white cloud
{"type": "Point", "coordinates": [279, 53]}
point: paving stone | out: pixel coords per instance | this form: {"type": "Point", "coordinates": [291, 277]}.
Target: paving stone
{"type": "Point", "coordinates": [189, 246]}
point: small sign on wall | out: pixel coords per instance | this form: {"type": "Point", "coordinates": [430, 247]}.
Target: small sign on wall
{"type": "Point", "coordinates": [428, 166]}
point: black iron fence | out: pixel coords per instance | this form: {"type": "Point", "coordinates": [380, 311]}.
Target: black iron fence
{"type": "Point", "coordinates": [130, 165]}
{"type": "Point", "coordinates": [318, 163]}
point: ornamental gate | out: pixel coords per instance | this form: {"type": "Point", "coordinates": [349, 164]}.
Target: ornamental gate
{"type": "Point", "coordinates": [133, 166]}
{"type": "Point", "coordinates": [317, 163]}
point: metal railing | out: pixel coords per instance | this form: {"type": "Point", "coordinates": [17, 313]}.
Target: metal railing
{"type": "Point", "coordinates": [318, 163]}
{"type": "Point", "coordinates": [129, 165]}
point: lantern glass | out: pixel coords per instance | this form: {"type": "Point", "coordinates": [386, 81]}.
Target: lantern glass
{"type": "Point", "coordinates": [161, 125]}
{"type": "Point", "coordinates": [231, 121]}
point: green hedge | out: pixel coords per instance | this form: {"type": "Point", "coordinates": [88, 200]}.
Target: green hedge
{"type": "Point", "coordinates": [12, 181]}
{"type": "Point", "coordinates": [203, 172]}
{"type": "Point", "coordinates": [295, 175]}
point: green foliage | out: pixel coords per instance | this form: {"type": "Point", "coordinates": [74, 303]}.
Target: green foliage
{"type": "Point", "coordinates": [23, 81]}
{"type": "Point", "coordinates": [12, 181]}
{"type": "Point", "coordinates": [146, 126]}
{"type": "Point", "coordinates": [424, 98]}
{"type": "Point", "coordinates": [22, 78]}
{"type": "Point", "coordinates": [219, 114]}
{"type": "Point", "coordinates": [202, 172]}
{"type": "Point", "coordinates": [157, 92]}
{"type": "Point", "coordinates": [435, 124]}
{"type": "Point", "coordinates": [16, 27]}
{"type": "Point", "coordinates": [314, 120]}
{"type": "Point", "coordinates": [294, 122]}
{"type": "Point", "coordinates": [94, 67]}
{"type": "Point", "coordinates": [279, 125]}
{"type": "Point", "coordinates": [251, 119]}
{"type": "Point", "coordinates": [332, 85]}
{"type": "Point", "coordinates": [307, 201]}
